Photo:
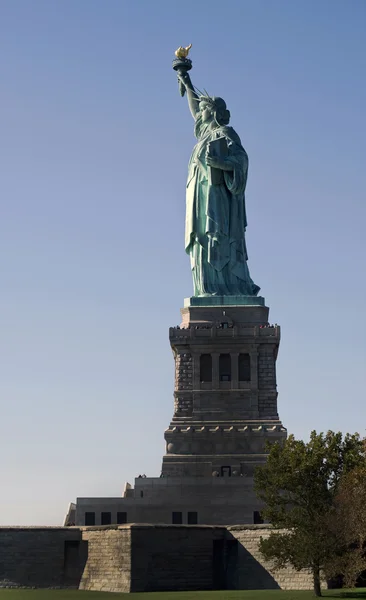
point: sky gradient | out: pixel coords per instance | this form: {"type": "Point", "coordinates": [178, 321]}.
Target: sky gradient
{"type": "Point", "coordinates": [95, 142]}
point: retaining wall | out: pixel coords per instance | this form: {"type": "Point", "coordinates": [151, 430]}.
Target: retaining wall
{"type": "Point", "coordinates": [137, 558]}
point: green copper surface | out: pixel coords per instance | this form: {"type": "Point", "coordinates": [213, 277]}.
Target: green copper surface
{"type": "Point", "coordinates": [215, 199]}
{"type": "Point", "coordinates": [224, 301]}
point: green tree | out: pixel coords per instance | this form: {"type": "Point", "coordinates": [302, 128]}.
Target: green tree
{"type": "Point", "coordinates": [298, 485]}
{"type": "Point", "coordinates": [347, 523]}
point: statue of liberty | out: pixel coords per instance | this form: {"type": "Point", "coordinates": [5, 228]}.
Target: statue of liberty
{"type": "Point", "coordinates": [215, 196]}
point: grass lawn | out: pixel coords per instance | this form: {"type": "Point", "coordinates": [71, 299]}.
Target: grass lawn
{"type": "Point", "coordinates": [224, 595]}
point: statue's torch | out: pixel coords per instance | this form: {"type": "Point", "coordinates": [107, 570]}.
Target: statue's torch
{"type": "Point", "coordinates": [182, 64]}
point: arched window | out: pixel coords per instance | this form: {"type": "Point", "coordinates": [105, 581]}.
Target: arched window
{"type": "Point", "coordinates": [225, 367]}
{"type": "Point", "coordinates": [244, 367]}
{"type": "Point", "coordinates": [205, 368]}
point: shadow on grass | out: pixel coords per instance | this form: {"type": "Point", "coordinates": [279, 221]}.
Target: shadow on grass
{"type": "Point", "coordinates": [353, 595]}
{"type": "Point", "coordinates": [350, 594]}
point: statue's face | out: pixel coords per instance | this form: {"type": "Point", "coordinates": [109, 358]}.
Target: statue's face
{"type": "Point", "coordinates": [205, 111]}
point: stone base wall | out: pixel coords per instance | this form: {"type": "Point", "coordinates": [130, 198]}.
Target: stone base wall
{"type": "Point", "coordinates": [108, 567]}
{"type": "Point", "coordinates": [252, 572]}
{"type": "Point", "coordinates": [172, 557]}
{"type": "Point", "coordinates": [41, 557]}
{"type": "Point", "coordinates": [138, 558]}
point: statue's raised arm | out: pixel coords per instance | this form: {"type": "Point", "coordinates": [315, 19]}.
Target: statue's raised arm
{"type": "Point", "coordinates": [192, 96]}
{"type": "Point", "coordinates": [182, 64]}
{"type": "Point", "coordinates": [215, 195]}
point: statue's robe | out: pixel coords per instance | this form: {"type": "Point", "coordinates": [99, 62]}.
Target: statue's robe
{"type": "Point", "coordinates": [216, 218]}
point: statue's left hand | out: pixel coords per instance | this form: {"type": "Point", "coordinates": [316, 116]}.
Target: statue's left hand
{"type": "Point", "coordinates": [217, 163]}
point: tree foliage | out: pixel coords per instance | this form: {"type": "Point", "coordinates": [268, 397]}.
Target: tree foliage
{"type": "Point", "coordinates": [298, 485]}
{"type": "Point", "coordinates": [347, 522]}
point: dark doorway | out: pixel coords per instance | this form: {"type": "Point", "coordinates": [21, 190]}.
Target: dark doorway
{"type": "Point", "coordinates": [75, 557]}
{"type": "Point", "coordinates": [192, 518]}
{"type": "Point", "coordinates": [225, 471]}
{"type": "Point", "coordinates": [218, 565]}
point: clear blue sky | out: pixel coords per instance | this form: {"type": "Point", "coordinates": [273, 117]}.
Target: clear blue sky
{"type": "Point", "coordinates": [95, 141]}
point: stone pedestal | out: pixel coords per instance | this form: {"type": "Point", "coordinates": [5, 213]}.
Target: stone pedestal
{"type": "Point", "coordinates": [225, 410]}
{"type": "Point", "coordinates": [225, 398]}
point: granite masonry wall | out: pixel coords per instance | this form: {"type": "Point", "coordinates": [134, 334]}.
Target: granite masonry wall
{"type": "Point", "coordinates": [267, 393]}
{"type": "Point", "coordinates": [173, 557]}
{"type": "Point", "coordinates": [41, 556]}
{"type": "Point", "coordinates": [134, 558]}
{"type": "Point", "coordinates": [108, 567]}
{"type": "Point", "coordinates": [183, 371]}
{"type": "Point", "coordinates": [250, 571]}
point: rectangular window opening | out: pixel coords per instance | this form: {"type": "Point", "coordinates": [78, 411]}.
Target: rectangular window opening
{"type": "Point", "coordinates": [205, 368]}
{"type": "Point", "coordinates": [121, 518]}
{"type": "Point", "coordinates": [106, 518]}
{"type": "Point", "coordinates": [90, 518]}
{"type": "Point", "coordinates": [225, 367]}
{"type": "Point", "coordinates": [244, 367]}
{"type": "Point", "coordinates": [257, 518]}
{"type": "Point", "coordinates": [225, 471]}
{"type": "Point", "coordinates": [192, 518]}
{"type": "Point", "coordinates": [177, 518]}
